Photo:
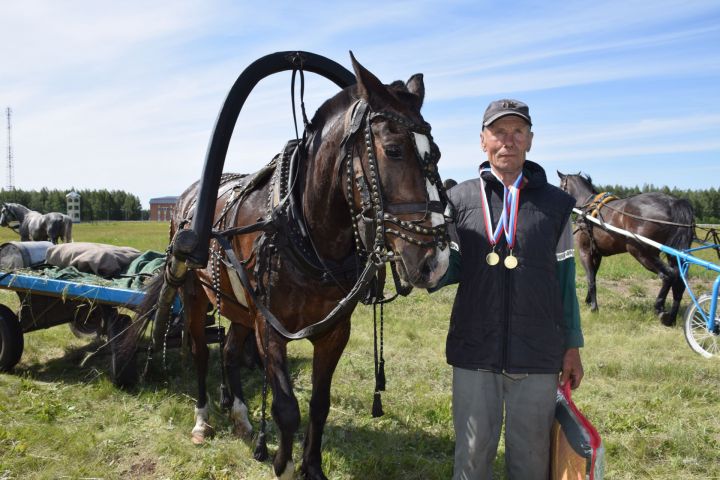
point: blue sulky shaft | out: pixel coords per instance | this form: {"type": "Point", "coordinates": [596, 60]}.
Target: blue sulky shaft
{"type": "Point", "coordinates": [121, 297]}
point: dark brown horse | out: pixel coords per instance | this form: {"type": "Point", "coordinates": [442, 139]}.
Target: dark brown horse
{"type": "Point", "coordinates": [657, 216]}
{"type": "Point", "coordinates": [363, 184]}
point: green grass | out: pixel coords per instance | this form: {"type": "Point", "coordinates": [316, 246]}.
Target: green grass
{"type": "Point", "coordinates": [654, 401]}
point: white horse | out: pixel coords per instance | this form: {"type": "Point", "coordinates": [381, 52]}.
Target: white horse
{"type": "Point", "coordinates": [32, 225]}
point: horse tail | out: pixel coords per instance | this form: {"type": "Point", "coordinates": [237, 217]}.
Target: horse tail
{"type": "Point", "coordinates": [144, 313]}
{"type": "Point", "coordinates": [682, 237]}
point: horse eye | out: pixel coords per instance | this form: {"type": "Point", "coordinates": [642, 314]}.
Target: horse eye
{"type": "Point", "coordinates": [393, 151]}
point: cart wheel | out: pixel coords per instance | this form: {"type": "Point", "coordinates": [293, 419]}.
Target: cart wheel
{"type": "Point", "coordinates": [84, 328]}
{"type": "Point", "coordinates": [11, 339]}
{"type": "Point", "coordinates": [122, 363]}
{"type": "Point", "coordinates": [697, 335]}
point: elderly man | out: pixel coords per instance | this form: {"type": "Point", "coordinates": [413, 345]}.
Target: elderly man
{"type": "Point", "coordinates": [515, 325]}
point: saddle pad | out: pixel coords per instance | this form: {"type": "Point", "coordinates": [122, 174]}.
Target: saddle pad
{"type": "Point", "coordinates": [98, 258]}
{"type": "Point", "coordinates": [576, 449]}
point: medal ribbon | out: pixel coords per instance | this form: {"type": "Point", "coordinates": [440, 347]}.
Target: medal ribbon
{"type": "Point", "coordinates": [508, 219]}
{"type": "Point", "coordinates": [511, 205]}
{"type": "Point", "coordinates": [492, 237]}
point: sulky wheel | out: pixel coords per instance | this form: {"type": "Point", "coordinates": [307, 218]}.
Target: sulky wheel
{"type": "Point", "coordinates": [123, 368]}
{"type": "Point", "coordinates": [701, 340]}
{"type": "Point", "coordinates": [11, 339]}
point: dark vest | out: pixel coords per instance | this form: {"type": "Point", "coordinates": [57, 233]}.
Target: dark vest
{"type": "Point", "coordinates": [509, 320]}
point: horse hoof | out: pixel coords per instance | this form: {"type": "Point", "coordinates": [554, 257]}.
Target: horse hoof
{"type": "Point", "coordinates": [288, 473]}
{"type": "Point", "coordinates": [200, 434]}
{"type": "Point", "coordinates": [312, 473]}
{"type": "Point", "coordinates": [666, 319]}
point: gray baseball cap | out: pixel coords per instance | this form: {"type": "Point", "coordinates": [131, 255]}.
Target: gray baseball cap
{"type": "Point", "coordinates": [504, 107]}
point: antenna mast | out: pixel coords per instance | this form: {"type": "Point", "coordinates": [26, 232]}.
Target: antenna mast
{"type": "Point", "coordinates": [10, 176]}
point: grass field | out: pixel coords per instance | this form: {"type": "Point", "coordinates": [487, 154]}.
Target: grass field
{"type": "Point", "coordinates": [654, 401]}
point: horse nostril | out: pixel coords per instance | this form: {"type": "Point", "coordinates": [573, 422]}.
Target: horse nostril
{"type": "Point", "coordinates": [427, 267]}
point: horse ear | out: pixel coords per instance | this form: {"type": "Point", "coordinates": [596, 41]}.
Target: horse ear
{"type": "Point", "coordinates": [561, 175]}
{"type": "Point", "coordinates": [369, 87]}
{"type": "Point", "coordinates": [416, 86]}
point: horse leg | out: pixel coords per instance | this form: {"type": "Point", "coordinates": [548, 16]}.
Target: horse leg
{"type": "Point", "coordinates": [233, 362]}
{"type": "Point", "coordinates": [651, 260]}
{"type": "Point", "coordinates": [591, 264]}
{"type": "Point", "coordinates": [285, 410]}
{"type": "Point", "coordinates": [327, 352]}
{"type": "Point", "coordinates": [678, 288]}
{"type": "Point", "coordinates": [196, 310]}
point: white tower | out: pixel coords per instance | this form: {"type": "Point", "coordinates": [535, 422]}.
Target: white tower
{"type": "Point", "coordinates": [73, 206]}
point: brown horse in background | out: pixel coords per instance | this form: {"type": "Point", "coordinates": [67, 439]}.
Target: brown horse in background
{"type": "Point", "coordinates": [657, 216]}
{"type": "Point", "coordinates": [365, 176]}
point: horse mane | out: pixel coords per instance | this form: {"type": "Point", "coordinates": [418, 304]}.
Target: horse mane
{"type": "Point", "coordinates": [18, 205]}
{"type": "Point", "coordinates": [588, 179]}
{"type": "Point", "coordinates": [344, 98]}
{"type": "Point", "coordinates": [331, 107]}
{"type": "Point", "coordinates": [586, 176]}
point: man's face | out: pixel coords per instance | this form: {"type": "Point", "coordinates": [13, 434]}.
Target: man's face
{"type": "Point", "coordinates": [506, 142]}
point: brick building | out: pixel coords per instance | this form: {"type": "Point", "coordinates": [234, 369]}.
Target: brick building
{"type": "Point", "coordinates": [161, 208]}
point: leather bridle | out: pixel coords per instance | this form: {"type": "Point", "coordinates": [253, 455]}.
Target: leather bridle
{"type": "Point", "coordinates": [370, 223]}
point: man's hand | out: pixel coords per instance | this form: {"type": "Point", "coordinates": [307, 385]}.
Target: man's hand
{"type": "Point", "coordinates": [572, 368]}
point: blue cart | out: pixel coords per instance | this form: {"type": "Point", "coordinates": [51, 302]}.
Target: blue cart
{"type": "Point", "coordinates": [47, 302]}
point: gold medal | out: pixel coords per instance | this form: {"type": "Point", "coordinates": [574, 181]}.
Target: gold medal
{"type": "Point", "coordinates": [492, 258]}
{"type": "Point", "coordinates": [511, 261]}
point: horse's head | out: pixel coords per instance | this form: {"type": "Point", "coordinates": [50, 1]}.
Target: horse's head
{"type": "Point", "coordinates": [579, 186]}
{"type": "Point", "coordinates": [391, 179]}
{"type": "Point", "coordinates": [4, 215]}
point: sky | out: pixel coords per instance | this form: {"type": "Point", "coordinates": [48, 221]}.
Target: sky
{"type": "Point", "coordinates": [124, 95]}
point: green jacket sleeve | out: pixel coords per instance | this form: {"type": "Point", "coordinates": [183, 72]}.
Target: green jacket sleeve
{"type": "Point", "coordinates": [566, 278]}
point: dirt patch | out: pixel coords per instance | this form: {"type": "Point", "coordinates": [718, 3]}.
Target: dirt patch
{"type": "Point", "coordinates": [143, 469]}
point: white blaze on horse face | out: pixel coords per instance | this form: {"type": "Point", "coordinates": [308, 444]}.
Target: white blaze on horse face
{"type": "Point", "coordinates": [434, 195]}
{"type": "Point", "coordinates": [422, 143]}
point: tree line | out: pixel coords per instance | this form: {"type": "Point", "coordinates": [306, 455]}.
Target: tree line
{"type": "Point", "coordinates": [95, 205]}
{"type": "Point", "coordinates": [705, 203]}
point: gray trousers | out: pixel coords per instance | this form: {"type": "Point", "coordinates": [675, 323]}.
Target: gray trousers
{"type": "Point", "coordinates": [529, 407]}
